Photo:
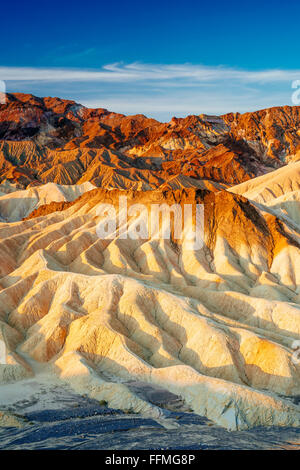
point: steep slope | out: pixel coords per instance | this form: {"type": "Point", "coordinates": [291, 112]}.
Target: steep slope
{"type": "Point", "coordinates": [272, 133]}
{"type": "Point", "coordinates": [215, 325]}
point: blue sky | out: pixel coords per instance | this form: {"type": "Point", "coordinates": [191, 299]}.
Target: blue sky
{"type": "Point", "coordinates": [159, 58]}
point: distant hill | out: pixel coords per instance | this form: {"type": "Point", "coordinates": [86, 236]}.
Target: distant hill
{"type": "Point", "coordinates": [53, 140]}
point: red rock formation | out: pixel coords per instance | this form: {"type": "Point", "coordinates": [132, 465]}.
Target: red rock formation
{"type": "Point", "coordinates": [55, 140]}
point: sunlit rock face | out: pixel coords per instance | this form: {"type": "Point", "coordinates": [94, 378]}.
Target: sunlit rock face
{"type": "Point", "coordinates": [50, 140]}
{"type": "Point", "coordinates": [214, 325]}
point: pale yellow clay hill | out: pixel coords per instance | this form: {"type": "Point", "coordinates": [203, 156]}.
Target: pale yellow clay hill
{"type": "Point", "coordinates": [215, 325]}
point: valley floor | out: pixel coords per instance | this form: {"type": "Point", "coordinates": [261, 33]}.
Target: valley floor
{"type": "Point", "coordinates": [54, 417]}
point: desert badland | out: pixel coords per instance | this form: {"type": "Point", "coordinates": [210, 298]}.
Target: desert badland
{"type": "Point", "coordinates": [215, 326]}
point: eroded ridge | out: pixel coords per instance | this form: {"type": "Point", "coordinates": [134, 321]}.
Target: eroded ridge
{"type": "Point", "coordinates": [215, 325]}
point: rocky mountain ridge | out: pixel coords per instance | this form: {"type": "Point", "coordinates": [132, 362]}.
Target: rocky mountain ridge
{"type": "Point", "coordinates": [53, 140]}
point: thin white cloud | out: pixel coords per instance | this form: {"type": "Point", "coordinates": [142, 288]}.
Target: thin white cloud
{"type": "Point", "coordinates": [158, 90]}
{"type": "Point", "coordinates": [187, 74]}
